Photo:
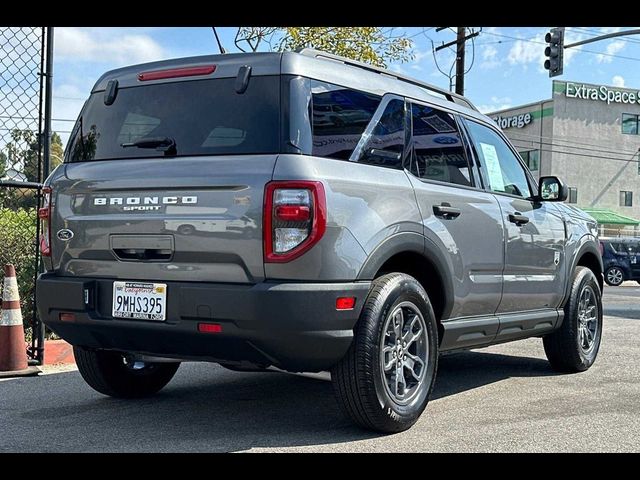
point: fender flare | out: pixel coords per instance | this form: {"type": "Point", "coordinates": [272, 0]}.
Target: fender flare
{"type": "Point", "coordinates": [416, 243]}
{"type": "Point", "coordinates": [589, 244]}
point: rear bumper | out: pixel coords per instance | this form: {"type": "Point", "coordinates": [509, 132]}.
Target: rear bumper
{"type": "Point", "coordinates": [294, 326]}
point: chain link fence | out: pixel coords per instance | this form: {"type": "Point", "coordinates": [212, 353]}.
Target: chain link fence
{"type": "Point", "coordinates": [22, 85]}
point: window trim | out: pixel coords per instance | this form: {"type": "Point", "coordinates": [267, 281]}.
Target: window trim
{"type": "Point", "coordinates": [533, 185]}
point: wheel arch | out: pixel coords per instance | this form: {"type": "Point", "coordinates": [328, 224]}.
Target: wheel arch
{"type": "Point", "coordinates": [413, 254]}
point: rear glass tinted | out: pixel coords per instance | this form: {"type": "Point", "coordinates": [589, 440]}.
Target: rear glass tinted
{"type": "Point", "coordinates": [203, 117]}
{"type": "Point", "coordinates": [339, 117]}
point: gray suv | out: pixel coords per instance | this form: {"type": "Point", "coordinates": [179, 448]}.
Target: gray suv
{"type": "Point", "coordinates": [305, 212]}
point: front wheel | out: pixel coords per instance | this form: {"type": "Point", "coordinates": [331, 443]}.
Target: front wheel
{"type": "Point", "coordinates": [116, 375]}
{"type": "Point", "coordinates": [614, 276]}
{"type": "Point", "coordinates": [384, 381]}
{"type": "Point", "coordinates": [574, 346]}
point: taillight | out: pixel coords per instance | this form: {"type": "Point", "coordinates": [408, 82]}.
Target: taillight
{"type": "Point", "coordinates": [601, 248]}
{"type": "Point", "coordinates": [295, 218]}
{"type": "Point", "coordinates": [44, 214]}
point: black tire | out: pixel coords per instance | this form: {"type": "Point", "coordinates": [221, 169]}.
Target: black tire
{"type": "Point", "coordinates": [358, 379]}
{"type": "Point", "coordinates": [564, 348]}
{"type": "Point", "coordinates": [614, 273]}
{"type": "Point", "coordinates": [107, 373]}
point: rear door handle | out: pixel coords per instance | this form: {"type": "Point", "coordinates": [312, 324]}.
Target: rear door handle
{"type": "Point", "coordinates": [446, 211]}
{"type": "Point", "coordinates": [518, 218]}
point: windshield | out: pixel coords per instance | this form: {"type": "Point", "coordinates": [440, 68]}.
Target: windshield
{"type": "Point", "coordinates": [201, 117]}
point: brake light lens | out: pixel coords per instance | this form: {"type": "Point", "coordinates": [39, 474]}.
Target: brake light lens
{"type": "Point", "coordinates": [176, 72]}
{"type": "Point", "coordinates": [601, 248]}
{"type": "Point", "coordinates": [44, 214]}
{"type": "Point", "coordinates": [295, 219]}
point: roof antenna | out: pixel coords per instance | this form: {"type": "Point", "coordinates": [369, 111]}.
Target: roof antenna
{"type": "Point", "coordinates": [222, 50]}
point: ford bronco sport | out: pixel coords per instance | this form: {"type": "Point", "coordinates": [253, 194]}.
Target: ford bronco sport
{"type": "Point", "coordinates": [305, 212]}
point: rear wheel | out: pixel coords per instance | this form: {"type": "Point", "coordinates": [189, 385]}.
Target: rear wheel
{"type": "Point", "coordinates": [384, 381]}
{"type": "Point", "coordinates": [114, 374]}
{"type": "Point", "coordinates": [574, 346]}
{"type": "Point", "coordinates": [614, 276]}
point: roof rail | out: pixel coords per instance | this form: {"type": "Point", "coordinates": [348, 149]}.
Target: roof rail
{"type": "Point", "coordinates": [452, 97]}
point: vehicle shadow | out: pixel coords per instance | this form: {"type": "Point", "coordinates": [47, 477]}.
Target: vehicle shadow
{"type": "Point", "coordinates": [207, 408]}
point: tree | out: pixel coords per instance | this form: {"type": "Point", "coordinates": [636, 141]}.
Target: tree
{"type": "Point", "coordinates": [56, 150]}
{"type": "Point", "coordinates": [3, 164]}
{"type": "Point", "coordinates": [373, 45]}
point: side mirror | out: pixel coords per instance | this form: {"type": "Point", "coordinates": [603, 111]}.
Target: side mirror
{"type": "Point", "coordinates": [552, 189]}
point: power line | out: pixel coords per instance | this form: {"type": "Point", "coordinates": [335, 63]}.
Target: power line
{"type": "Point", "coordinates": [577, 50]}
{"type": "Point", "coordinates": [579, 144]}
{"type": "Point", "coordinates": [586, 155]}
{"type": "Point", "coordinates": [69, 98]}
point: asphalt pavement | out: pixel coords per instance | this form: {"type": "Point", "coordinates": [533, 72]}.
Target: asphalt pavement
{"type": "Point", "coordinates": [502, 398]}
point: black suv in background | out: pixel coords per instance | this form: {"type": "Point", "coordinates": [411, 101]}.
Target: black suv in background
{"type": "Point", "coordinates": [621, 258]}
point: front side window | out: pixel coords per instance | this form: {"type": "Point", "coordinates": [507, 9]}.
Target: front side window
{"type": "Point", "coordinates": [437, 148]}
{"type": "Point", "coordinates": [339, 117]}
{"type": "Point", "coordinates": [501, 168]}
{"type": "Point", "coordinates": [630, 124]}
{"type": "Point", "coordinates": [384, 146]}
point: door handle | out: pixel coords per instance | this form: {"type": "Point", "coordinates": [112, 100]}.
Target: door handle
{"type": "Point", "coordinates": [446, 211]}
{"type": "Point", "coordinates": [518, 218]}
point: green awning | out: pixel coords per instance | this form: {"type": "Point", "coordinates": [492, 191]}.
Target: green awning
{"type": "Point", "coordinates": [609, 217]}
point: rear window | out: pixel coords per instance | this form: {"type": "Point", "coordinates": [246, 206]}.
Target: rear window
{"type": "Point", "coordinates": [202, 117]}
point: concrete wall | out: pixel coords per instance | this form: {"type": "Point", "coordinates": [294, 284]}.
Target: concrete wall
{"type": "Point", "coordinates": [531, 136]}
{"type": "Point", "coordinates": [594, 129]}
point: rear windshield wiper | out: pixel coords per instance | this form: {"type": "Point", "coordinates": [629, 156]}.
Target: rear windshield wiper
{"type": "Point", "coordinates": [163, 144]}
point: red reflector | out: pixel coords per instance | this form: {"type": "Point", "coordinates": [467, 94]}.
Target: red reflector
{"type": "Point", "coordinates": [176, 72]}
{"type": "Point", "coordinates": [295, 213]}
{"type": "Point", "coordinates": [43, 213]}
{"type": "Point", "coordinates": [67, 317]}
{"type": "Point", "coordinates": [209, 327]}
{"type": "Point", "coordinates": [345, 303]}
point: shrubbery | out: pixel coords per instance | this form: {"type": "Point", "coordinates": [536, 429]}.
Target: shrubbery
{"type": "Point", "coordinates": [17, 246]}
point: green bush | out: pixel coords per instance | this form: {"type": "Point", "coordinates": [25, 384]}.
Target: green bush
{"type": "Point", "coordinates": [17, 246]}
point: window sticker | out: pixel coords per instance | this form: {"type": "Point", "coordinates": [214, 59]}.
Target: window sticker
{"type": "Point", "coordinates": [493, 166]}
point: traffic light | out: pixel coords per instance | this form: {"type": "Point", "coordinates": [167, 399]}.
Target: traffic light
{"type": "Point", "coordinates": [554, 51]}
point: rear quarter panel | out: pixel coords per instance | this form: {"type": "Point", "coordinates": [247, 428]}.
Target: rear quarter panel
{"type": "Point", "coordinates": [365, 205]}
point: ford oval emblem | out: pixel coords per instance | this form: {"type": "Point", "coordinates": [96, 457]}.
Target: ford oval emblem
{"type": "Point", "coordinates": [65, 234]}
{"type": "Point", "coordinates": [445, 140]}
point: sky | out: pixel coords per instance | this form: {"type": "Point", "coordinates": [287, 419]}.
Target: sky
{"type": "Point", "coordinates": [505, 65]}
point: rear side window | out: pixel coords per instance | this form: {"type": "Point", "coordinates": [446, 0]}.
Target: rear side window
{"type": "Point", "coordinates": [203, 117]}
{"type": "Point", "coordinates": [339, 116]}
{"type": "Point", "coordinates": [437, 149]}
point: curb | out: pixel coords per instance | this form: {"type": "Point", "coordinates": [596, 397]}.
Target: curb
{"type": "Point", "coordinates": [57, 352]}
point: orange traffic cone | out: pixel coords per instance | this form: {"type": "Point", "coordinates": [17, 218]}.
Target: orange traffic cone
{"type": "Point", "coordinates": [13, 354]}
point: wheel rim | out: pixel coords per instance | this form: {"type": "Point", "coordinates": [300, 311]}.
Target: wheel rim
{"type": "Point", "coordinates": [614, 275]}
{"type": "Point", "coordinates": [587, 320]}
{"type": "Point", "coordinates": [404, 353]}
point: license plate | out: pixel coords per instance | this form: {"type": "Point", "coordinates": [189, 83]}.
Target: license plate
{"type": "Point", "coordinates": [142, 301]}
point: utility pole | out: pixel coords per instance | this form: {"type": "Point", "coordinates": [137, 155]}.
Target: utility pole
{"type": "Point", "coordinates": [460, 42]}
